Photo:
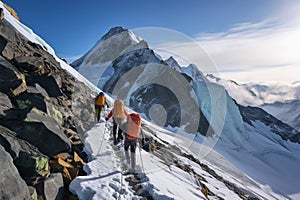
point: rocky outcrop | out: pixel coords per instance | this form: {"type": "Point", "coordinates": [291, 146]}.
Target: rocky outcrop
{"type": "Point", "coordinates": [43, 111]}
{"type": "Point", "coordinates": [1, 14]}
{"type": "Point", "coordinates": [286, 132]}
{"type": "Point", "coordinates": [12, 186]}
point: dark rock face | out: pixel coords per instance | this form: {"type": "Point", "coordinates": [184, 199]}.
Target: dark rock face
{"type": "Point", "coordinates": [1, 14]}
{"type": "Point", "coordinates": [113, 31]}
{"type": "Point", "coordinates": [11, 184]}
{"type": "Point", "coordinates": [286, 132]}
{"type": "Point", "coordinates": [128, 61]}
{"type": "Point", "coordinates": [156, 83]}
{"type": "Point", "coordinates": [12, 82]}
{"type": "Point", "coordinates": [142, 100]}
{"type": "Point", "coordinates": [25, 156]}
{"type": "Point", "coordinates": [39, 102]}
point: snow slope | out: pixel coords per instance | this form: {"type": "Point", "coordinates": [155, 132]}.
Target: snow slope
{"type": "Point", "coordinates": [105, 181]}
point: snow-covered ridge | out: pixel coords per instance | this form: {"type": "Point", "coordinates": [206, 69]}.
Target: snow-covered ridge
{"type": "Point", "coordinates": [24, 30]}
{"type": "Point", "coordinates": [31, 36]}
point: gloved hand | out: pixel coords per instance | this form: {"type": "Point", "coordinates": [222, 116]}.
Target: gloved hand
{"type": "Point", "coordinates": [106, 118]}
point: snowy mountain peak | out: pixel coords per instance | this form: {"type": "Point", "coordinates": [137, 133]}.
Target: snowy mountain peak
{"type": "Point", "coordinates": [118, 30]}
{"type": "Point", "coordinates": [193, 71]}
{"type": "Point", "coordinates": [117, 42]}
{"type": "Point", "coordinates": [114, 31]}
{"type": "Point", "coordinates": [173, 64]}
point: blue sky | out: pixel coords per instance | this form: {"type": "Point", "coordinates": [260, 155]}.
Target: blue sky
{"type": "Point", "coordinates": [73, 27]}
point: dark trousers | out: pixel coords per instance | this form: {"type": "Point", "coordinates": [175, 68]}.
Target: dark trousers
{"type": "Point", "coordinates": [130, 144]}
{"type": "Point", "coordinates": [115, 127]}
{"type": "Point", "coordinates": [98, 110]}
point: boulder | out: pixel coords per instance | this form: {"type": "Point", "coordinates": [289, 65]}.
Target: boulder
{"type": "Point", "coordinates": [30, 163]}
{"type": "Point", "coordinates": [33, 194]}
{"type": "Point", "coordinates": [54, 187]}
{"type": "Point", "coordinates": [3, 43]}
{"type": "Point", "coordinates": [37, 128]}
{"type": "Point", "coordinates": [28, 63]}
{"type": "Point", "coordinates": [47, 82]}
{"type": "Point", "coordinates": [11, 80]}
{"type": "Point", "coordinates": [8, 52]}
{"type": "Point", "coordinates": [5, 103]}
{"type": "Point", "coordinates": [12, 186]}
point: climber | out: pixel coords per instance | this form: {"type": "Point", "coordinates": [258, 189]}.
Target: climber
{"type": "Point", "coordinates": [100, 102]}
{"type": "Point", "coordinates": [119, 116]}
{"type": "Point", "coordinates": [133, 130]}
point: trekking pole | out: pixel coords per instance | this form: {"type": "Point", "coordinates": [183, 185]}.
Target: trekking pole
{"type": "Point", "coordinates": [140, 149]}
{"type": "Point", "coordinates": [121, 182]}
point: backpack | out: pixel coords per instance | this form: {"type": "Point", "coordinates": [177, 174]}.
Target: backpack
{"type": "Point", "coordinates": [118, 109]}
{"type": "Point", "coordinates": [100, 100]}
{"type": "Point", "coordinates": [134, 126]}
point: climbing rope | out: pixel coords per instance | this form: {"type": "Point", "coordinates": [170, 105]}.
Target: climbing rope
{"type": "Point", "coordinates": [105, 127]}
{"type": "Point", "coordinates": [121, 190]}
{"type": "Point", "coordinates": [121, 181]}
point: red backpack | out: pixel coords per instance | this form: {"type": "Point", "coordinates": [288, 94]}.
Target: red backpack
{"type": "Point", "coordinates": [134, 126]}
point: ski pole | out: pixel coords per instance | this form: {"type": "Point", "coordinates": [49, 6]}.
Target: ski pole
{"type": "Point", "coordinates": [140, 149]}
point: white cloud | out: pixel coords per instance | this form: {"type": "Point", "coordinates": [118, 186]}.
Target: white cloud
{"type": "Point", "coordinates": [247, 52]}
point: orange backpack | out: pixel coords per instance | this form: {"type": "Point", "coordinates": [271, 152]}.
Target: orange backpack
{"type": "Point", "coordinates": [134, 126]}
{"type": "Point", "coordinates": [118, 109]}
{"type": "Point", "coordinates": [100, 100]}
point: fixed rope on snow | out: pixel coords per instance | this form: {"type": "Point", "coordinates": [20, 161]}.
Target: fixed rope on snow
{"type": "Point", "coordinates": [99, 150]}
